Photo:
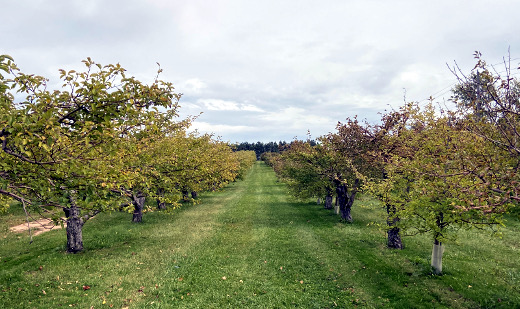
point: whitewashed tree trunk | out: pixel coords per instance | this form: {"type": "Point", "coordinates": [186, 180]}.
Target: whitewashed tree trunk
{"type": "Point", "coordinates": [437, 252]}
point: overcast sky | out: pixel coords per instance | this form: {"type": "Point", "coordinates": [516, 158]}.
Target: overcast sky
{"type": "Point", "coordinates": [269, 70]}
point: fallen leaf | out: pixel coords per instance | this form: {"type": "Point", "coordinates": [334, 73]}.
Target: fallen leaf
{"type": "Point", "coordinates": [224, 278]}
{"type": "Point", "coordinates": [86, 287]}
{"type": "Point", "coordinates": [180, 279]}
{"type": "Point", "coordinates": [44, 293]}
{"type": "Point", "coordinates": [301, 281]}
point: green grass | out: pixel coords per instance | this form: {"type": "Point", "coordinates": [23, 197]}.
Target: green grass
{"type": "Point", "coordinates": [252, 246]}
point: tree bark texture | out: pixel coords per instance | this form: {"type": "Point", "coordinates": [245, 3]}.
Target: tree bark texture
{"type": "Point", "coordinates": [138, 200]}
{"type": "Point", "coordinates": [394, 238]}
{"type": "Point", "coordinates": [345, 201]}
{"type": "Point", "coordinates": [74, 226]}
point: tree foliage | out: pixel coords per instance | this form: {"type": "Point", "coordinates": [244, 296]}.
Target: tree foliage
{"type": "Point", "coordinates": [435, 170]}
{"type": "Point", "coordinates": [101, 141]}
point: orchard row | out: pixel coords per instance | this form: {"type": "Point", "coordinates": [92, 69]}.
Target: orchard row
{"type": "Point", "coordinates": [435, 169]}
{"type": "Point", "coordinates": [105, 141]}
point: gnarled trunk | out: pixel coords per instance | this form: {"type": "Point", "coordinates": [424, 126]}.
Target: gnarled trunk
{"type": "Point", "coordinates": [138, 201]}
{"type": "Point", "coordinates": [74, 226]}
{"type": "Point", "coordinates": [346, 200]}
{"type": "Point", "coordinates": [341, 198]}
{"type": "Point", "coordinates": [394, 238]}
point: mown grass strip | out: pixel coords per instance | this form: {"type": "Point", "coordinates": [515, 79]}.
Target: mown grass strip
{"type": "Point", "coordinates": [252, 246]}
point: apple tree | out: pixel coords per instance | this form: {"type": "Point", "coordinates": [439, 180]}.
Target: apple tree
{"type": "Point", "coordinates": [59, 148]}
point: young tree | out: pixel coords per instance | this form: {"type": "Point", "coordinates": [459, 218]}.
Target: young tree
{"type": "Point", "coordinates": [432, 181]}
{"type": "Point", "coordinates": [388, 145]}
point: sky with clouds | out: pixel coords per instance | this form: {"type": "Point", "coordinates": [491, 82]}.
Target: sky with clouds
{"type": "Point", "coordinates": [269, 70]}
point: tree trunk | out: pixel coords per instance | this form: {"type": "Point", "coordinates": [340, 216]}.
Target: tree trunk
{"type": "Point", "coordinates": [438, 248]}
{"type": "Point", "coordinates": [194, 194]}
{"type": "Point", "coordinates": [138, 201]}
{"type": "Point", "coordinates": [340, 197]}
{"type": "Point", "coordinates": [160, 204]}
{"type": "Point", "coordinates": [328, 201]}
{"type": "Point", "coordinates": [346, 211]}
{"type": "Point", "coordinates": [437, 252]}
{"type": "Point", "coordinates": [344, 202]}
{"type": "Point", "coordinates": [185, 195]}
{"type": "Point", "coordinates": [394, 239]}
{"type": "Point", "coordinates": [74, 226]}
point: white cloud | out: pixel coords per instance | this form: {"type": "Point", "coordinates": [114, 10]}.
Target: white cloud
{"type": "Point", "coordinates": [192, 86]}
{"type": "Point", "coordinates": [223, 105]}
{"type": "Point", "coordinates": [293, 118]}
{"type": "Point", "coordinates": [250, 108]}
{"type": "Point", "coordinates": [221, 129]}
{"type": "Point", "coordinates": [283, 66]}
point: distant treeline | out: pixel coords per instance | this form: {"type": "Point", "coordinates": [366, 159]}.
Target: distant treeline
{"type": "Point", "coordinates": [260, 147]}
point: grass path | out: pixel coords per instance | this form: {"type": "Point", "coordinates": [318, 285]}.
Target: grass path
{"type": "Point", "coordinates": [252, 246]}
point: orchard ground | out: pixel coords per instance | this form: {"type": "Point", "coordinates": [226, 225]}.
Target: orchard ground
{"type": "Point", "coordinates": [252, 246]}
